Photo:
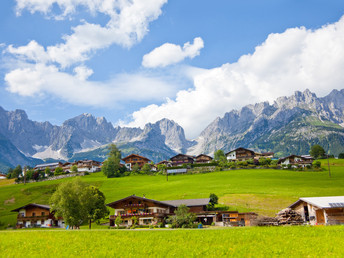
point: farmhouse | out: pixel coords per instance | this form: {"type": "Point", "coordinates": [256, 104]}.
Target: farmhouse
{"type": "Point", "coordinates": [181, 159]}
{"type": "Point", "coordinates": [52, 166]}
{"type": "Point", "coordinates": [37, 215]}
{"type": "Point", "coordinates": [2, 176]}
{"type": "Point", "coordinates": [88, 165]}
{"type": "Point", "coordinates": [148, 211]}
{"type": "Point", "coordinates": [240, 154]}
{"type": "Point", "coordinates": [202, 158]}
{"type": "Point", "coordinates": [321, 210]}
{"type": "Point", "coordinates": [133, 159]}
{"type": "Point", "coordinates": [296, 161]}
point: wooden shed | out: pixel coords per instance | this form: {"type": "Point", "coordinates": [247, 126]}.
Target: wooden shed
{"type": "Point", "coordinates": [321, 210]}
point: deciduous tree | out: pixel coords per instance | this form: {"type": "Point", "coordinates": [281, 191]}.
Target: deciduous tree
{"type": "Point", "coordinates": [78, 202]}
{"type": "Point", "coordinates": [317, 151]}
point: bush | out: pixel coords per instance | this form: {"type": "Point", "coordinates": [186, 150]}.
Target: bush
{"type": "Point", "coordinates": [341, 155]}
{"type": "Point", "coordinates": [58, 171]}
{"type": "Point", "coordinates": [317, 164]}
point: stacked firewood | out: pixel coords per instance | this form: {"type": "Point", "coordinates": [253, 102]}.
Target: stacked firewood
{"type": "Point", "coordinates": [266, 221]}
{"type": "Point", "coordinates": [289, 217]}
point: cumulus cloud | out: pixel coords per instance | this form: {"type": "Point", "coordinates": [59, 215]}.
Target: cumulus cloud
{"type": "Point", "coordinates": [41, 79]}
{"type": "Point", "coordinates": [127, 25]}
{"type": "Point", "coordinates": [296, 59]}
{"type": "Point", "coordinates": [37, 70]}
{"type": "Point", "coordinates": [168, 53]}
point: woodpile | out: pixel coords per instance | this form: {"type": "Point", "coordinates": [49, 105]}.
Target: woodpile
{"type": "Point", "coordinates": [289, 217]}
{"type": "Point", "coordinates": [266, 221]}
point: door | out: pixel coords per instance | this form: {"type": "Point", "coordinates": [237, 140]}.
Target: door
{"type": "Point", "coordinates": [320, 217]}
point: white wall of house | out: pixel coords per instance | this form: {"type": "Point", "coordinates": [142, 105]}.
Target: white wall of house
{"type": "Point", "coordinates": [231, 155]}
{"type": "Point", "coordinates": [22, 212]}
{"type": "Point", "coordinates": [118, 211]}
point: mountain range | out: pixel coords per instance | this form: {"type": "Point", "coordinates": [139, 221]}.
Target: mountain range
{"type": "Point", "coordinates": [289, 125]}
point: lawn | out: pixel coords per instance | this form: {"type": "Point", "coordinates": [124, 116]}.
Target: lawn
{"type": "Point", "coordinates": [294, 241]}
{"type": "Point", "coordinates": [264, 191]}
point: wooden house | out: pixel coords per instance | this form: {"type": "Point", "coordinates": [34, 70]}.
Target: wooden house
{"type": "Point", "coordinates": [321, 210]}
{"type": "Point", "coordinates": [296, 161]}
{"type": "Point", "coordinates": [148, 211]}
{"type": "Point", "coordinates": [202, 158]}
{"type": "Point", "coordinates": [181, 159]}
{"type": "Point", "coordinates": [37, 215]}
{"type": "Point", "coordinates": [88, 166]}
{"type": "Point", "coordinates": [133, 159]}
{"type": "Point", "coordinates": [267, 155]}
{"type": "Point", "coordinates": [240, 154]}
{"type": "Point", "coordinates": [2, 176]}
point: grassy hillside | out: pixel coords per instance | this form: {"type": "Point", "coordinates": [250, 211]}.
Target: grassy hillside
{"type": "Point", "coordinates": [262, 191]}
{"type": "Point", "coordinates": [300, 241]}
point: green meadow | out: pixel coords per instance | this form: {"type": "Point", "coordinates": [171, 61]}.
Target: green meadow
{"type": "Point", "coordinates": [265, 191]}
{"type": "Point", "coordinates": [297, 241]}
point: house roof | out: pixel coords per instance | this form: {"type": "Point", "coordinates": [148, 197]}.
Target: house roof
{"type": "Point", "coordinates": [48, 165]}
{"type": "Point", "coordinates": [136, 197]}
{"type": "Point", "coordinates": [188, 202]}
{"type": "Point", "coordinates": [239, 149]}
{"type": "Point", "coordinates": [298, 156]}
{"type": "Point", "coordinates": [322, 202]}
{"type": "Point", "coordinates": [203, 155]}
{"type": "Point", "coordinates": [185, 155]}
{"type": "Point", "coordinates": [34, 205]}
{"type": "Point", "coordinates": [171, 203]}
{"type": "Point", "coordinates": [131, 155]}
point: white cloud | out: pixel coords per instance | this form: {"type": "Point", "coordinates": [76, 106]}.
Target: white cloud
{"type": "Point", "coordinates": [294, 60]}
{"type": "Point", "coordinates": [37, 70]}
{"type": "Point", "coordinates": [128, 24]}
{"type": "Point", "coordinates": [41, 80]}
{"type": "Point", "coordinates": [168, 53]}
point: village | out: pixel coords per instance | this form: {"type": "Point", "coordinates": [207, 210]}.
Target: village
{"type": "Point", "coordinates": [135, 210]}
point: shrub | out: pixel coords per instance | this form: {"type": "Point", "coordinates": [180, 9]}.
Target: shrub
{"type": "Point", "coordinates": [341, 155]}
{"type": "Point", "coordinates": [317, 164]}
{"type": "Point", "coordinates": [58, 171]}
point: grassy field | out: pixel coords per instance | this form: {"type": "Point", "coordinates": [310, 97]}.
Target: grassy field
{"type": "Point", "coordinates": [264, 191]}
{"type": "Point", "coordinates": [235, 242]}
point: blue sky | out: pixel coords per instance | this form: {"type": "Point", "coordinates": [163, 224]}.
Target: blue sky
{"type": "Point", "coordinates": [131, 62]}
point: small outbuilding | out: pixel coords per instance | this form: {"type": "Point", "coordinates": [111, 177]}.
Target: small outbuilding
{"type": "Point", "coordinates": [321, 210]}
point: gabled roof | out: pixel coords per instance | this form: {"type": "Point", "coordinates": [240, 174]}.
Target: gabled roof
{"type": "Point", "coordinates": [185, 155]}
{"type": "Point", "coordinates": [171, 203]}
{"type": "Point", "coordinates": [48, 165]}
{"type": "Point", "coordinates": [47, 207]}
{"type": "Point", "coordinates": [322, 202]}
{"type": "Point", "coordinates": [189, 202]}
{"type": "Point", "coordinates": [203, 155]}
{"type": "Point", "coordinates": [135, 155]}
{"type": "Point", "coordinates": [239, 149]}
{"type": "Point", "coordinates": [136, 197]}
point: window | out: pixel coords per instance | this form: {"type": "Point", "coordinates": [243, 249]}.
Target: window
{"type": "Point", "coordinates": [33, 214]}
{"type": "Point", "coordinates": [43, 213]}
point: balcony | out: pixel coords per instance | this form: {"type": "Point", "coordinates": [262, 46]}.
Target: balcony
{"type": "Point", "coordinates": [134, 205]}
{"type": "Point", "coordinates": [20, 217]}
{"type": "Point", "coordinates": [127, 215]}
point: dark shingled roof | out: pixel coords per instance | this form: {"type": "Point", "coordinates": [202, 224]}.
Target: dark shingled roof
{"type": "Point", "coordinates": [34, 205]}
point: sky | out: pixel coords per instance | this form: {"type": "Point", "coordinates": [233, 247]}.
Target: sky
{"type": "Point", "coordinates": [138, 61]}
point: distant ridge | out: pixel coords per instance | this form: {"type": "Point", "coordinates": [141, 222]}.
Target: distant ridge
{"type": "Point", "coordinates": [289, 125]}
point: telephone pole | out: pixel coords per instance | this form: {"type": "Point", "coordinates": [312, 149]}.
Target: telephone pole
{"type": "Point", "coordinates": [328, 164]}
